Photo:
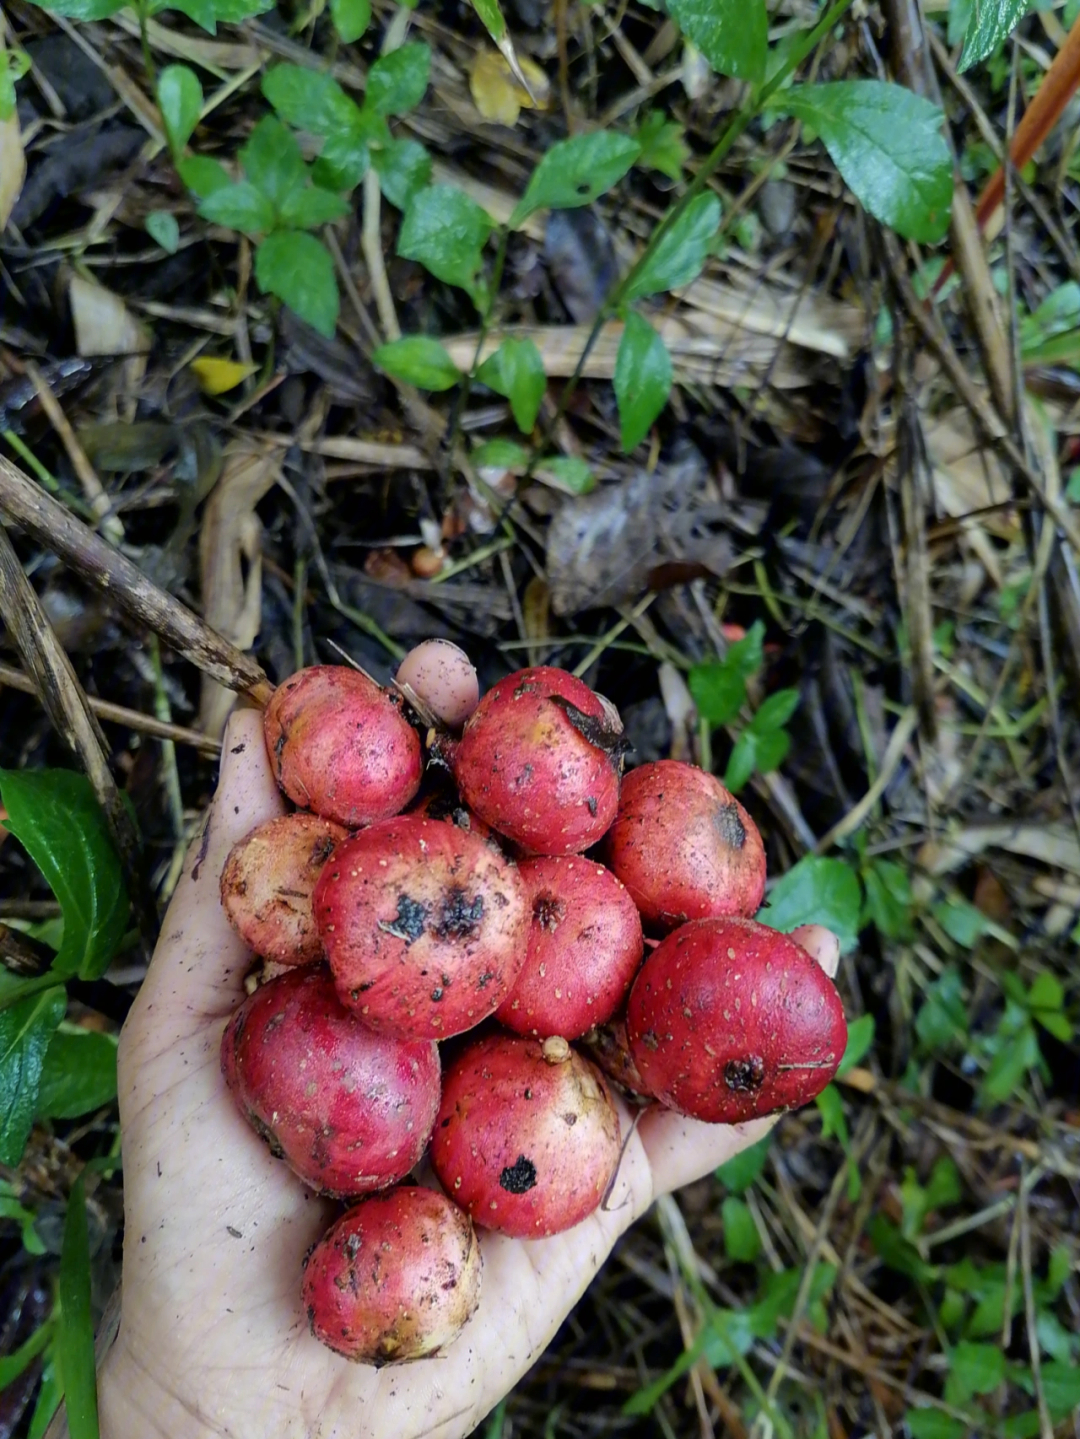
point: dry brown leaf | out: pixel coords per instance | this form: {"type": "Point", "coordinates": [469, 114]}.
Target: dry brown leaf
{"type": "Point", "coordinates": [103, 323]}
{"type": "Point", "coordinates": [1051, 844]}
{"type": "Point", "coordinates": [230, 538]}
{"type": "Point", "coordinates": [499, 95]}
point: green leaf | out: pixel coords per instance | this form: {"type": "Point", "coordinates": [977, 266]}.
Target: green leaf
{"type": "Point", "coordinates": [770, 749]}
{"type": "Point", "coordinates": [75, 1335]}
{"type": "Point", "coordinates": [975, 1369]}
{"type": "Point", "coordinates": [1008, 1069]}
{"type": "Point", "coordinates": [895, 1251]}
{"type": "Point", "coordinates": [48, 1400]}
{"type": "Point", "coordinates": [240, 206]}
{"type": "Point", "coordinates": [747, 655]}
{"type": "Point", "coordinates": [1046, 1002]}
{"type": "Point", "coordinates": [662, 144]}
{"type": "Point", "coordinates": [16, 1363]}
{"type": "Point", "coordinates": [860, 1037]}
{"type": "Point", "coordinates": [516, 370]}
{"type": "Point", "coordinates": [78, 1075]}
{"type": "Point", "coordinates": [203, 176]}
{"type": "Point", "coordinates": [208, 13]}
{"type": "Point", "coordinates": [344, 158]}
{"type": "Point", "coordinates": [775, 712]}
{"type": "Point", "coordinates": [309, 99]}
{"type": "Point", "coordinates": [180, 99]}
{"type": "Point", "coordinates": [1061, 1385]}
{"type": "Point", "coordinates": [26, 1028]}
{"type": "Point", "coordinates": [491, 17]}
{"type": "Point", "coordinates": [161, 226]}
{"type": "Point", "coordinates": [961, 921]}
{"type": "Point", "coordinates": [351, 18]}
{"type": "Point", "coordinates": [830, 1104]}
{"type": "Point", "coordinates": [568, 473]}
{"type": "Point", "coordinates": [298, 270]}
{"type": "Point", "coordinates": [740, 1172]}
{"type": "Point", "coordinates": [271, 160]}
{"type": "Point", "coordinates": [10, 1208]}
{"type": "Point", "coordinates": [576, 172]}
{"type": "Point", "coordinates": [742, 763]}
{"type": "Point", "coordinates": [306, 208]}
{"type": "Point", "coordinates": [933, 1424]}
{"type": "Point", "coordinates": [816, 891]}
{"type": "Point", "coordinates": [446, 231]}
{"type": "Point", "coordinates": [680, 252]}
{"type": "Point", "coordinates": [83, 9]}
{"type": "Point", "coordinates": [1057, 315]}
{"type": "Point", "coordinates": [742, 1242]}
{"type": "Point", "coordinates": [643, 378]}
{"type": "Point", "coordinates": [418, 361]}
{"type": "Point", "coordinates": [989, 24]}
{"type": "Point", "coordinates": [396, 82]}
{"type": "Point", "coordinates": [500, 455]}
{"type": "Point", "coordinates": [56, 817]}
{"type": "Point", "coordinates": [942, 1021]}
{"type": "Point", "coordinates": [888, 898]}
{"type": "Point", "coordinates": [887, 144]}
{"type": "Point", "coordinates": [403, 168]}
{"type": "Point", "coordinates": [718, 692]}
{"type": "Point", "coordinates": [733, 35]}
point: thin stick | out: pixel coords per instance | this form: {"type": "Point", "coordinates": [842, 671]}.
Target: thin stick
{"type": "Point", "coordinates": [92, 559]}
{"type": "Point", "coordinates": [99, 502]}
{"type": "Point", "coordinates": [120, 714]}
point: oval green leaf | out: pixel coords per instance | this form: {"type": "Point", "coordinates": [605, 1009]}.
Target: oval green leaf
{"type": "Point", "coordinates": [180, 99]}
{"type": "Point", "coordinates": [733, 35]}
{"type": "Point", "coordinates": [887, 144]}
{"type": "Point", "coordinates": [75, 1335]}
{"type": "Point", "coordinates": [576, 172]}
{"type": "Point", "coordinates": [351, 18]}
{"type": "Point", "coordinates": [418, 361]}
{"type": "Point", "coordinates": [240, 206]}
{"type": "Point", "coordinates": [816, 891]}
{"type": "Point", "coordinates": [445, 231]}
{"type": "Point", "coordinates": [309, 100]}
{"type": "Point", "coordinates": [54, 814]}
{"type": "Point", "coordinates": [162, 226]}
{"type": "Point", "coordinates": [396, 82]}
{"type": "Point", "coordinates": [26, 1029]}
{"type": "Point", "coordinates": [642, 379]}
{"type": "Point", "coordinates": [78, 1074]}
{"type": "Point", "coordinates": [989, 23]}
{"type": "Point", "coordinates": [679, 253]}
{"type": "Point", "coordinates": [403, 168]}
{"type": "Point", "coordinates": [516, 370]}
{"type": "Point", "coordinates": [297, 269]}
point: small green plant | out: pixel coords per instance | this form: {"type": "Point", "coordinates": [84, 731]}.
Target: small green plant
{"type": "Point", "coordinates": [719, 692]}
{"type": "Point", "coordinates": [13, 66]}
{"type": "Point", "coordinates": [52, 1070]}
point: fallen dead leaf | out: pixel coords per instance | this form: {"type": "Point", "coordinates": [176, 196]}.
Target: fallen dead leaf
{"type": "Point", "coordinates": [217, 376]}
{"type": "Point", "coordinates": [103, 323]}
{"type": "Point", "coordinates": [499, 95]}
{"type": "Point", "coordinates": [230, 539]}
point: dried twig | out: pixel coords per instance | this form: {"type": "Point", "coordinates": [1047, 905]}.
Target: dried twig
{"type": "Point", "coordinates": [94, 560]}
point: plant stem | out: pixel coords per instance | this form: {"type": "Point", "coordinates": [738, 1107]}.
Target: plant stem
{"type": "Point", "coordinates": [485, 325]}
{"type": "Point", "coordinates": [735, 128]}
{"type": "Point", "coordinates": [142, 10]}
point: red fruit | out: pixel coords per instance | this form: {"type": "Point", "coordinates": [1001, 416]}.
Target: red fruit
{"type": "Point", "coordinates": [527, 1139]}
{"type": "Point", "coordinates": [395, 1278]}
{"type": "Point", "coordinates": [341, 747]}
{"type": "Point", "coordinates": [585, 946]}
{"type": "Point", "coordinates": [729, 1020]}
{"type": "Point", "coordinates": [684, 847]}
{"type": "Point", "coordinates": [348, 1110]}
{"type": "Point", "coordinates": [539, 761]}
{"type": "Point", "coordinates": [267, 883]}
{"type": "Point", "coordinates": [424, 925]}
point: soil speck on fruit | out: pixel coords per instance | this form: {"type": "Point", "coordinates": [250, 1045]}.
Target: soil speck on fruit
{"type": "Point", "coordinates": [745, 1074]}
{"type": "Point", "coordinates": [460, 917]}
{"type": "Point", "coordinates": [729, 826]}
{"type": "Point", "coordinates": [408, 925]}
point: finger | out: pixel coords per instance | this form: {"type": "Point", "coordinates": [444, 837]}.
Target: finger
{"type": "Point", "coordinates": [821, 944]}
{"type": "Point", "coordinates": [682, 1150]}
{"type": "Point", "coordinates": [200, 960]}
{"type": "Point", "coordinates": [443, 677]}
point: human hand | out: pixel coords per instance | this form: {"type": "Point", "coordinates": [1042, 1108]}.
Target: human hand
{"type": "Point", "coordinates": [213, 1340]}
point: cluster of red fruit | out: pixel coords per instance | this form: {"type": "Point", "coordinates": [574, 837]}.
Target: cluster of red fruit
{"type": "Point", "coordinates": [401, 931]}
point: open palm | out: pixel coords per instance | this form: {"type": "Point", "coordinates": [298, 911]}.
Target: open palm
{"type": "Point", "coordinates": [213, 1339]}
